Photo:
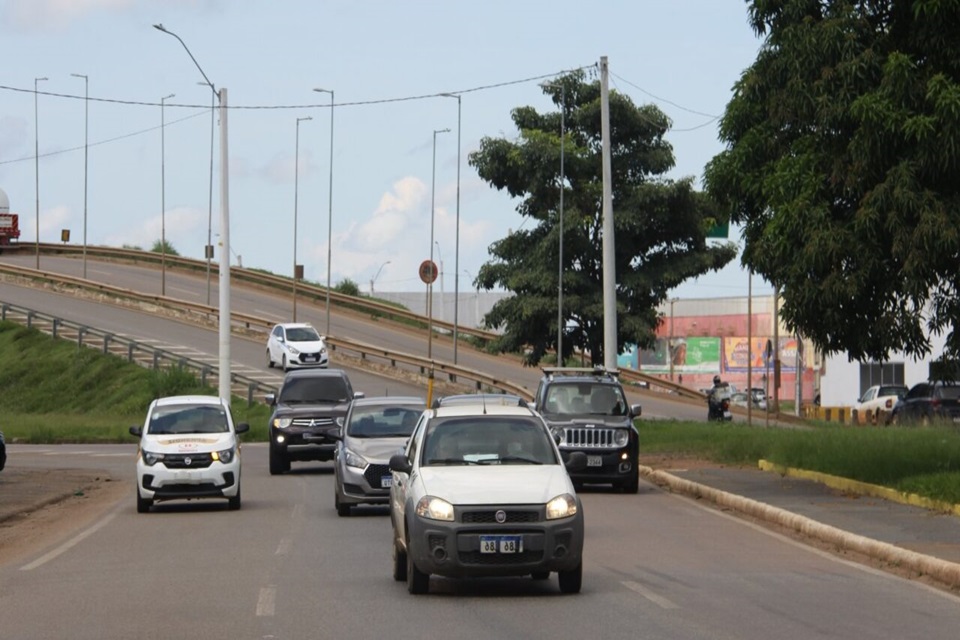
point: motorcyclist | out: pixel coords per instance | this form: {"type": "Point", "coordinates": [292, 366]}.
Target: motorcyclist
{"type": "Point", "coordinates": [715, 410]}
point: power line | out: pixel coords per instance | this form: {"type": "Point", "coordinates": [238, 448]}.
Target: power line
{"type": "Point", "coordinates": [326, 105]}
{"type": "Point", "coordinates": [678, 106]}
{"type": "Point", "coordinates": [673, 130]}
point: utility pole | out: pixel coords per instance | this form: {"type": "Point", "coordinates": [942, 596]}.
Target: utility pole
{"type": "Point", "coordinates": [609, 255]}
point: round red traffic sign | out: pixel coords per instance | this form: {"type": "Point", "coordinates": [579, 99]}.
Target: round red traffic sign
{"type": "Point", "coordinates": [428, 271]}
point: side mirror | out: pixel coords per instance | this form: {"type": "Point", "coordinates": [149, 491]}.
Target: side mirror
{"type": "Point", "coordinates": [136, 431]}
{"type": "Point", "coordinates": [336, 434]}
{"type": "Point", "coordinates": [243, 427]}
{"type": "Point", "coordinates": [270, 399]}
{"type": "Point", "coordinates": [635, 410]}
{"type": "Point", "coordinates": [400, 463]}
{"type": "Point", "coordinates": [359, 394]}
{"type": "Point", "coordinates": [576, 462]}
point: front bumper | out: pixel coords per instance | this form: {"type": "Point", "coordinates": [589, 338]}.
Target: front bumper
{"type": "Point", "coordinates": [614, 466]}
{"type": "Point", "coordinates": [452, 549]}
{"type": "Point", "coordinates": [370, 485]}
{"type": "Point", "coordinates": [304, 443]}
{"type": "Point", "coordinates": [219, 480]}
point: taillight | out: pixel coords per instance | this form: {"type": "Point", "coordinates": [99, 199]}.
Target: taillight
{"type": "Point", "coordinates": [889, 403]}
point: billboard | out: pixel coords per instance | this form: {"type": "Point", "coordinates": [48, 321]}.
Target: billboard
{"type": "Point", "coordinates": [736, 349]}
{"type": "Point", "coordinates": [689, 355]}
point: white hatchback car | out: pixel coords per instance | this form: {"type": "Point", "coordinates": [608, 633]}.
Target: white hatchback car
{"type": "Point", "coordinates": [481, 490]}
{"type": "Point", "coordinates": [188, 449]}
{"type": "Point", "coordinates": [296, 344]}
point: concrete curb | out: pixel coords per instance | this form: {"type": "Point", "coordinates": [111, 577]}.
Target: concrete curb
{"type": "Point", "coordinates": [862, 488]}
{"type": "Point", "coordinates": [943, 571]}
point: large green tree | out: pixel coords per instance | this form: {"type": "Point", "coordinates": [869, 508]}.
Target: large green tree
{"type": "Point", "coordinates": [660, 225]}
{"type": "Point", "coordinates": [843, 165]}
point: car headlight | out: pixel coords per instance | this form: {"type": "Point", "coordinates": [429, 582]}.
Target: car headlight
{"type": "Point", "coordinates": [621, 437]}
{"type": "Point", "coordinates": [435, 509]}
{"type": "Point", "coordinates": [225, 456]}
{"type": "Point", "coordinates": [563, 506]}
{"type": "Point", "coordinates": [558, 434]}
{"type": "Point", "coordinates": [282, 423]}
{"type": "Point", "coordinates": [293, 350]}
{"type": "Point", "coordinates": [353, 460]}
{"type": "Point", "coordinates": [150, 458]}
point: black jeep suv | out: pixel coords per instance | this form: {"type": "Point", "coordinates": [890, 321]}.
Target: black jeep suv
{"type": "Point", "coordinates": [587, 411]}
{"type": "Point", "coordinates": [308, 409]}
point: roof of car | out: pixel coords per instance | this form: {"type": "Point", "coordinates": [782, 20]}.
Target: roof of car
{"type": "Point", "coordinates": [581, 373]}
{"type": "Point", "coordinates": [479, 398]}
{"type": "Point", "coordinates": [458, 410]}
{"type": "Point", "coordinates": [315, 372]}
{"type": "Point", "coordinates": [190, 399]}
{"type": "Point", "coordinates": [390, 400]}
{"type": "Point", "coordinates": [295, 325]}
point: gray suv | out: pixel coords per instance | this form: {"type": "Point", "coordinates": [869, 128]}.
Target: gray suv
{"type": "Point", "coordinates": [307, 413]}
{"type": "Point", "coordinates": [587, 411]}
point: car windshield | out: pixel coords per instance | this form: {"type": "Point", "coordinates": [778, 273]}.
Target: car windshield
{"type": "Point", "coordinates": [487, 440]}
{"type": "Point", "coordinates": [950, 392]}
{"type": "Point", "coordinates": [302, 334]}
{"type": "Point", "coordinates": [325, 389]}
{"type": "Point", "coordinates": [186, 418]}
{"type": "Point", "coordinates": [584, 399]}
{"type": "Point", "coordinates": [892, 391]}
{"type": "Point", "coordinates": [382, 421]}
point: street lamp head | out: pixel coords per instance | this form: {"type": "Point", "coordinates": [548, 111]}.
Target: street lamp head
{"type": "Point", "coordinates": [78, 75]}
{"type": "Point", "coordinates": [320, 90]}
{"type": "Point", "coordinates": [159, 27]}
{"type": "Point", "coordinates": [305, 118]}
{"type": "Point", "coordinates": [436, 131]}
{"type": "Point", "coordinates": [36, 80]}
{"type": "Point", "coordinates": [167, 97]}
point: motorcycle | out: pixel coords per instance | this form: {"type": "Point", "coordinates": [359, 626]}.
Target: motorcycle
{"type": "Point", "coordinates": [718, 405]}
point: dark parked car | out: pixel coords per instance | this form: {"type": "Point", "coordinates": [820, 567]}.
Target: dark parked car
{"type": "Point", "coordinates": [587, 411]}
{"type": "Point", "coordinates": [307, 414]}
{"type": "Point", "coordinates": [3, 452]}
{"type": "Point", "coordinates": [928, 402]}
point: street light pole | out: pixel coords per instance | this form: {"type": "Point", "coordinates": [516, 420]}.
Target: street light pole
{"type": "Point", "coordinates": [374, 278]}
{"type": "Point", "coordinates": [86, 138]}
{"type": "Point", "coordinates": [329, 208]}
{"type": "Point", "coordinates": [443, 301]}
{"type": "Point", "coordinates": [208, 249]}
{"type": "Point", "coordinates": [296, 179]}
{"type": "Point", "coordinates": [224, 376]}
{"type": "Point", "coordinates": [433, 192]}
{"type": "Point", "coordinates": [456, 245]}
{"type": "Point", "coordinates": [163, 201]}
{"type": "Point", "coordinates": [36, 159]}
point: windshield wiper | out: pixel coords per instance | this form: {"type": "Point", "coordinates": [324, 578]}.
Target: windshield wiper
{"type": "Point", "coordinates": [519, 459]}
{"type": "Point", "coordinates": [439, 461]}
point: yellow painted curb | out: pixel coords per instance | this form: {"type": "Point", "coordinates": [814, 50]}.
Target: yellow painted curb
{"type": "Point", "coordinates": [862, 488]}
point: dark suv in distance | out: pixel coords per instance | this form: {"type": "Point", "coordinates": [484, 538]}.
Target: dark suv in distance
{"type": "Point", "coordinates": [307, 415]}
{"type": "Point", "coordinates": [587, 410]}
{"type": "Point", "coordinates": [928, 402]}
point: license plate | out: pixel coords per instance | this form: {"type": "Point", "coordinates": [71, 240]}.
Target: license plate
{"type": "Point", "coordinates": [594, 461]}
{"type": "Point", "coordinates": [726, 415]}
{"type": "Point", "coordinates": [386, 482]}
{"type": "Point", "coordinates": [501, 544]}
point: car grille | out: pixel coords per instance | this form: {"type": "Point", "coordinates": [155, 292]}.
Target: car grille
{"type": "Point", "coordinates": [583, 437]}
{"type": "Point", "coordinates": [179, 460]}
{"type": "Point", "coordinates": [374, 473]}
{"type": "Point", "coordinates": [490, 516]}
{"type": "Point", "coordinates": [475, 557]}
{"type": "Point", "coordinates": [308, 423]}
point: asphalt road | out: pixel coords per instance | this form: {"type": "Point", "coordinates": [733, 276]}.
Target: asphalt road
{"type": "Point", "coordinates": [657, 565]}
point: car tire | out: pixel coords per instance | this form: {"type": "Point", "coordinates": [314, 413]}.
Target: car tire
{"type": "Point", "coordinates": [418, 582]}
{"type": "Point", "coordinates": [540, 575]}
{"type": "Point", "coordinates": [143, 504]}
{"type": "Point", "coordinates": [343, 510]}
{"type": "Point", "coordinates": [633, 484]}
{"type": "Point", "coordinates": [233, 502]}
{"type": "Point", "coordinates": [399, 564]}
{"type": "Point", "coordinates": [570, 581]}
{"type": "Point", "coordinates": [269, 360]}
{"type": "Point", "coordinates": [278, 463]}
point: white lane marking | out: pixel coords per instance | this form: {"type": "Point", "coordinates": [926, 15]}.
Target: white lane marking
{"type": "Point", "coordinates": [69, 544]}
{"type": "Point", "coordinates": [266, 603]}
{"type": "Point", "coordinates": [128, 454]}
{"type": "Point", "coordinates": [68, 453]}
{"type": "Point", "coordinates": [650, 595]}
{"type": "Point", "coordinates": [284, 547]}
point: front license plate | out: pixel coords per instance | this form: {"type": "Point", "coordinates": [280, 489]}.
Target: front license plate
{"type": "Point", "coordinates": [594, 461]}
{"type": "Point", "coordinates": [386, 482]}
{"type": "Point", "coordinates": [501, 544]}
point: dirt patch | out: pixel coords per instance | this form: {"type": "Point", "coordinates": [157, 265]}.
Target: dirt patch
{"type": "Point", "coordinates": [39, 507]}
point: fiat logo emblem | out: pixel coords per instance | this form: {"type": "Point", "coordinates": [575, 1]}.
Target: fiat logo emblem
{"type": "Point", "coordinates": [188, 461]}
{"type": "Point", "coordinates": [501, 516]}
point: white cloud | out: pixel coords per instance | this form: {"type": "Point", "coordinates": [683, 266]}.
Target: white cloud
{"type": "Point", "coordinates": [282, 168]}
{"type": "Point", "coordinates": [56, 14]}
{"type": "Point", "coordinates": [184, 227]}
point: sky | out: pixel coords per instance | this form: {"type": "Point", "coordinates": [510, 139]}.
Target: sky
{"type": "Point", "coordinates": [380, 59]}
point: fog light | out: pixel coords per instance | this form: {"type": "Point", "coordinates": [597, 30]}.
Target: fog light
{"type": "Point", "coordinates": [281, 439]}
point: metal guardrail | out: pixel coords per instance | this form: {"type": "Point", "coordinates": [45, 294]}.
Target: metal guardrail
{"type": "Point", "coordinates": [258, 278]}
{"type": "Point", "coordinates": [136, 352]}
{"type": "Point", "coordinates": [246, 322]}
